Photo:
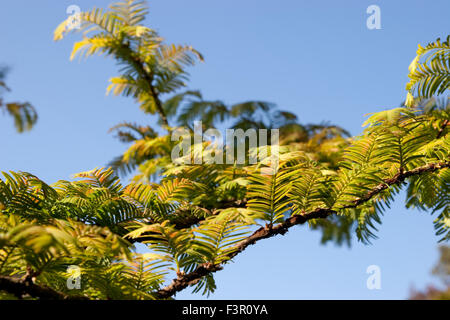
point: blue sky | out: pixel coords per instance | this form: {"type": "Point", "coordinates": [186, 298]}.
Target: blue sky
{"type": "Point", "coordinates": [314, 58]}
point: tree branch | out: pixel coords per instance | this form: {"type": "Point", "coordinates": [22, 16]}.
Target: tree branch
{"type": "Point", "coordinates": [139, 65]}
{"type": "Point", "coordinates": [185, 280]}
{"type": "Point", "coordinates": [442, 128]}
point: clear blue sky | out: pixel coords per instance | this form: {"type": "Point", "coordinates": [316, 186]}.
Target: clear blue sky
{"type": "Point", "coordinates": [315, 58]}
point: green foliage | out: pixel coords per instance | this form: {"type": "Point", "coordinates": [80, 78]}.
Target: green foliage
{"type": "Point", "coordinates": [23, 113]}
{"type": "Point", "coordinates": [149, 66]}
{"type": "Point", "coordinates": [429, 72]}
{"type": "Point", "coordinates": [194, 219]}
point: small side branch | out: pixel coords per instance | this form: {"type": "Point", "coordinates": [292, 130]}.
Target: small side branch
{"type": "Point", "coordinates": [442, 128]}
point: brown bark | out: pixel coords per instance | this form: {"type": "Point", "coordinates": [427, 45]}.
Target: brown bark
{"type": "Point", "coordinates": [442, 128]}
